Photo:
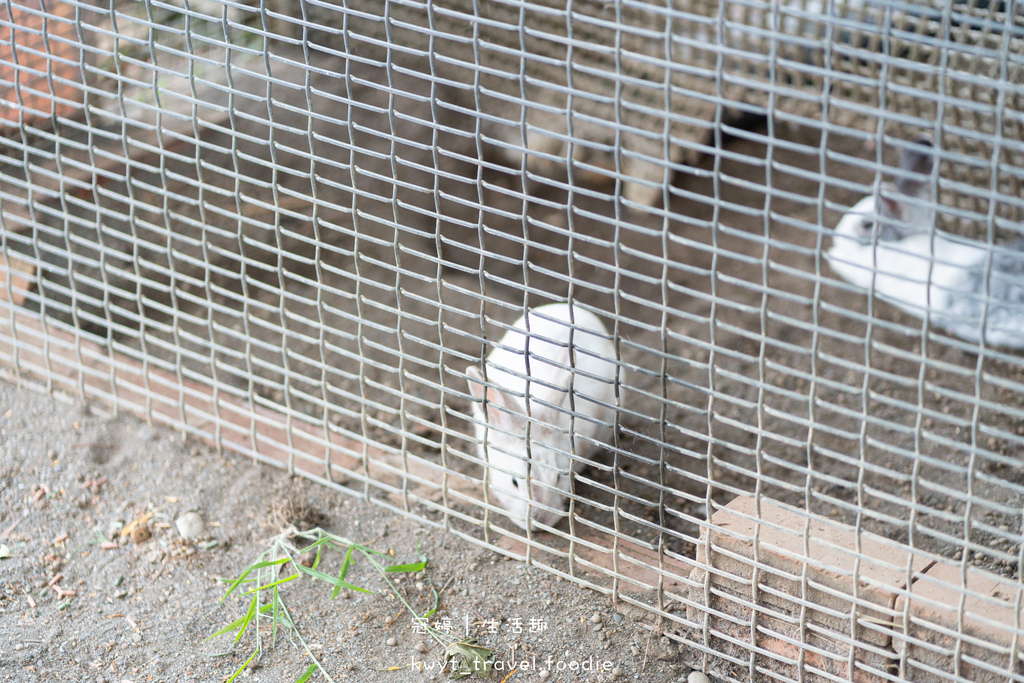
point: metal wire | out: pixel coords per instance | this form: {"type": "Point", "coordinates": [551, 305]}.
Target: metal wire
{"type": "Point", "coordinates": [289, 230]}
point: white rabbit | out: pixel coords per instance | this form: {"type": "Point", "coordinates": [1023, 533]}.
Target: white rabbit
{"type": "Point", "coordinates": [890, 245]}
{"type": "Point", "coordinates": [570, 394]}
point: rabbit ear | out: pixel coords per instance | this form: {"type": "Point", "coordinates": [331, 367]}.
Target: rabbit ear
{"type": "Point", "coordinates": [498, 406]}
{"type": "Point", "coordinates": [496, 400]}
{"type": "Point", "coordinates": [889, 206]}
{"type": "Point", "coordinates": [918, 159]}
{"type": "Point", "coordinates": [475, 380]}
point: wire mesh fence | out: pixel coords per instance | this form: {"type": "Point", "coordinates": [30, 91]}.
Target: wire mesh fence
{"type": "Point", "coordinates": [788, 232]}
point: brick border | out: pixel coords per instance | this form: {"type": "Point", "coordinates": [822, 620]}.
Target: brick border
{"type": "Point", "coordinates": [814, 600]}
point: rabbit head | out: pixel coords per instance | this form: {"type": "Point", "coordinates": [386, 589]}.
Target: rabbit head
{"type": "Point", "coordinates": [529, 466]}
{"type": "Point", "coordinates": [898, 210]}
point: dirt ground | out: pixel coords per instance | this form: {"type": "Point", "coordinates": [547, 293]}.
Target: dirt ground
{"type": "Point", "coordinates": [71, 478]}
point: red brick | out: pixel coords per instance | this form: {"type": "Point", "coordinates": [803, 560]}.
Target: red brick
{"type": "Point", "coordinates": [600, 557]}
{"type": "Point", "coordinates": [32, 52]}
{"type": "Point", "coordinates": [807, 568]}
{"type": "Point", "coordinates": [22, 278]}
{"type": "Point", "coordinates": [959, 625]}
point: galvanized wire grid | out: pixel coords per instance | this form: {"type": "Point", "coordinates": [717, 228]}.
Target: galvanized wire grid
{"type": "Point", "coordinates": [290, 230]}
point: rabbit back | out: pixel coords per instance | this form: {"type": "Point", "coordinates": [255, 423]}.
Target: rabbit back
{"type": "Point", "coordinates": [534, 356]}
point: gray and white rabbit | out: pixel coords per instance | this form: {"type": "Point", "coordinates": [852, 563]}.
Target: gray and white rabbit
{"type": "Point", "coordinates": [888, 243]}
{"type": "Point", "coordinates": [566, 363]}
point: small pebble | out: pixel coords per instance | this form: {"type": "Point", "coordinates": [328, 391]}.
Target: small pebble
{"type": "Point", "coordinates": [391, 642]}
{"type": "Point", "coordinates": [635, 650]}
{"type": "Point", "coordinates": [598, 627]}
{"type": "Point", "coordinates": [140, 533]}
{"type": "Point", "coordinates": [595, 618]}
{"type": "Point", "coordinates": [388, 620]}
{"type": "Point", "coordinates": [697, 677]}
{"type": "Point", "coordinates": [190, 525]}
{"type": "Point", "coordinates": [421, 647]}
{"type": "Point", "coordinates": [19, 647]}
{"type": "Point", "coordinates": [136, 637]}
{"type": "Point", "coordinates": [616, 672]}
{"type": "Point", "coordinates": [543, 674]}
{"type": "Point", "coordinates": [617, 618]}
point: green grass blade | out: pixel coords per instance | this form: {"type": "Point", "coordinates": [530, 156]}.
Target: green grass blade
{"type": "Point", "coordinates": [315, 544]}
{"type": "Point", "coordinates": [230, 627]}
{"type": "Point", "coordinates": [345, 566]}
{"type": "Point", "coordinates": [316, 560]}
{"type": "Point", "coordinates": [273, 584]}
{"type": "Point", "coordinates": [437, 603]}
{"type": "Point", "coordinates": [316, 574]}
{"type": "Point", "coordinates": [276, 605]}
{"type": "Point", "coordinates": [236, 623]}
{"type": "Point", "coordinates": [369, 551]}
{"type": "Point", "coordinates": [242, 668]}
{"type": "Point", "coordinates": [305, 677]}
{"type": "Point", "coordinates": [248, 617]}
{"type": "Point", "coordinates": [259, 565]}
{"type": "Point", "coordinates": [412, 567]}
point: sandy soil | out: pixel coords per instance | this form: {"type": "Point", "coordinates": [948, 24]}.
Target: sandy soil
{"type": "Point", "coordinates": [141, 611]}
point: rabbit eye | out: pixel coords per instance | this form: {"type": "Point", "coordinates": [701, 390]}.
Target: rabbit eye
{"type": "Point", "coordinates": [867, 226]}
{"type": "Point", "coordinates": [515, 482]}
